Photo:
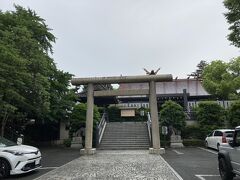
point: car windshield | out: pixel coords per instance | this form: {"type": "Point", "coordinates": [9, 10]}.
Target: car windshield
{"type": "Point", "coordinates": [5, 142]}
{"type": "Point", "coordinates": [229, 133]}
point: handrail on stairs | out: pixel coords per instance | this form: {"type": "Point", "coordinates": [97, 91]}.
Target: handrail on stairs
{"type": "Point", "coordinates": [101, 128]}
{"type": "Point", "coordinates": [149, 124]}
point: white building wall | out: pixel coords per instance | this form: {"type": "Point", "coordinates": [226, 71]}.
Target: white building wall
{"type": "Point", "coordinates": [193, 87]}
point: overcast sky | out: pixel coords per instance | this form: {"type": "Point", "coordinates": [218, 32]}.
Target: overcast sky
{"type": "Point", "coordinates": [114, 37]}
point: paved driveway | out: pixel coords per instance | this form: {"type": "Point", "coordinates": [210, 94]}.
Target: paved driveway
{"type": "Point", "coordinates": [194, 163]}
{"type": "Point", "coordinates": [186, 163]}
{"type": "Point", "coordinates": [120, 165]}
{"type": "Point", "coordinates": [52, 158]}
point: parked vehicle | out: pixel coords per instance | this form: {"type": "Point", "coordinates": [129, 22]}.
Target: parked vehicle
{"type": "Point", "coordinates": [229, 157]}
{"type": "Point", "coordinates": [218, 137]}
{"type": "Point", "coordinates": [17, 159]}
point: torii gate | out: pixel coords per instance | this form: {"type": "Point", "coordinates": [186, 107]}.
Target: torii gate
{"type": "Point", "coordinates": [151, 79]}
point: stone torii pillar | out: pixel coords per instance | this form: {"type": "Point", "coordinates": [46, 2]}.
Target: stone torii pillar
{"type": "Point", "coordinates": [89, 122]}
{"type": "Point", "coordinates": [156, 149]}
{"type": "Point", "coordinates": [151, 79]}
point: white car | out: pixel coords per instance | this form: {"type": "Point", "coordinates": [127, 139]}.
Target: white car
{"type": "Point", "coordinates": [17, 159]}
{"type": "Point", "coordinates": [218, 137]}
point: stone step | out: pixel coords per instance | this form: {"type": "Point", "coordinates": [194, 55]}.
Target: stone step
{"type": "Point", "coordinates": [122, 144]}
{"type": "Point", "coordinates": [125, 129]}
{"type": "Point", "coordinates": [127, 123]}
{"type": "Point", "coordinates": [125, 135]}
{"type": "Point", "coordinates": [123, 138]}
{"type": "Point", "coordinates": [123, 147]}
{"type": "Point", "coordinates": [119, 126]}
{"type": "Point", "coordinates": [129, 133]}
{"type": "Point", "coordinates": [126, 132]}
{"type": "Point", "coordinates": [125, 141]}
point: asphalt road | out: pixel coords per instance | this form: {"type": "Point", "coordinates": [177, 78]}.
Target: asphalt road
{"type": "Point", "coordinates": [194, 163]}
{"type": "Point", "coordinates": [52, 158]}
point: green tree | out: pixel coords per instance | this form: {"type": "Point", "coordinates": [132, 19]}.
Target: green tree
{"type": "Point", "coordinates": [78, 116]}
{"type": "Point", "coordinates": [233, 18]}
{"type": "Point", "coordinates": [234, 69]}
{"type": "Point", "coordinates": [222, 79]}
{"type": "Point", "coordinates": [12, 76]}
{"type": "Point", "coordinates": [62, 98]}
{"type": "Point", "coordinates": [172, 114]}
{"type": "Point", "coordinates": [30, 83]}
{"type": "Point", "coordinates": [234, 114]}
{"type": "Point", "coordinates": [199, 71]}
{"type": "Point", "coordinates": [210, 115]}
{"type": "Point", "coordinates": [26, 33]}
{"type": "Point", "coordinates": [217, 80]}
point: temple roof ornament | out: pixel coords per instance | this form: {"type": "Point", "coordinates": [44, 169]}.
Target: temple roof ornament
{"type": "Point", "coordinates": [152, 72]}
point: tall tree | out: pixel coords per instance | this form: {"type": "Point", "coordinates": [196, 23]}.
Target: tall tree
{"type": "Point", "coordinates": [12, 75]}
{"type": "Point", "coordinates": [217, 80]}
{"type": "Point", "coordinates": [62, 98]}
{"type": "Point", "coordinates": [30, 82]}
{"type": "Point", "coordinates": [222, 79]}
{"type": "Point", "coordinates": [233, 18]}
{"type": "Point", "coordinates": [199, 71]}
{"type": "Point", "coordinates": [234, 69]}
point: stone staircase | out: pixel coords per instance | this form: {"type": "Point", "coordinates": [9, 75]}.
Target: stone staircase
{"type": "Point", "coordinates": [125, 135]}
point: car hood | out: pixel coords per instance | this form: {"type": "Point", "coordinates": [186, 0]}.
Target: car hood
{"type": "Point", "coordinates": [21, 148]}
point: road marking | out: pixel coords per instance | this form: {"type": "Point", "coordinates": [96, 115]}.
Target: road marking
{"type": "Point", "coordinates": [48, 167]}
{"type": "Point", "coordinates": [213, 152]}
{"type": "Point", "coordinates": [54, 169]}
{"type": "Point", "coordinates": [179, 153]}
{"type": "Point", "coordinates": [235, 163]}
{"type": "Point", "coordinates": [201, 176]}
{"type": "Point", "coordinates": [176, 174]}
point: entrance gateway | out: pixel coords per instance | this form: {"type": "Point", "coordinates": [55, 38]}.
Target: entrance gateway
{"type": "Point", "coordinates": [151, 79]}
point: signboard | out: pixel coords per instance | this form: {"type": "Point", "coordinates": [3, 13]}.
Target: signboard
{"type": "Point", "coordinates": [127, 112]}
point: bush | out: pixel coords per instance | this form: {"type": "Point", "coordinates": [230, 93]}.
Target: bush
{"type": "Point", "coordinates": [234, 114]}
{"type": "Point", "coordinates": [210, 115]}
{"type": "Point", "coordinates": [172, 114]}
{"type": "Point", "coordinates": [67, 142]}
{"type": "Point", "coordinates": [195, 132]}
{"type": "Point", "coordinates": [193, 142]}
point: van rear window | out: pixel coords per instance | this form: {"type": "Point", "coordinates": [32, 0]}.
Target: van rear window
{"type": "Point", "coordinates": [229, 133]}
